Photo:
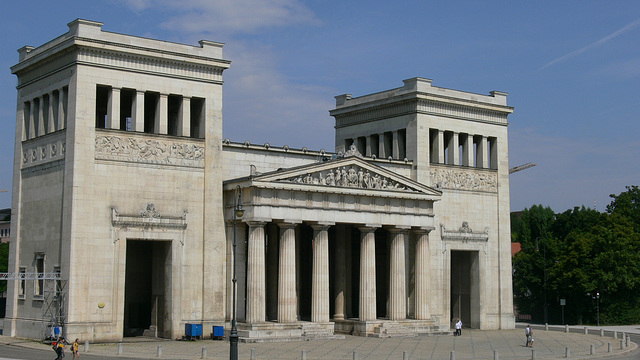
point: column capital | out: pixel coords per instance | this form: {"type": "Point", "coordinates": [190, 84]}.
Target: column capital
{"type": "Point", "coordinates": [320, 225]}
{"type": "Point", "coordinates": [397, 229]}
{"type": "Point", "coordinates": [256, 223]}
{"type": "Point", "coordinates": [287, 224]}
{"type": "Point", "coordinates": [422, 229]}
{"type": "Point", "coordinates": [369, 227]}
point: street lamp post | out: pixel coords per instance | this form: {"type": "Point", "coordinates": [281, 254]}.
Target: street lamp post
{"type": "Point", "coordinates": [598, 306]}
{"type": "Point", "coordinates": [233, 337]}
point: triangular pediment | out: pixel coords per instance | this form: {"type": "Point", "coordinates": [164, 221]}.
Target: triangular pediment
{"type": "Point", "coordinates": [351, 172]}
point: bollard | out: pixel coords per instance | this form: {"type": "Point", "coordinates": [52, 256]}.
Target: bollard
{"type": "Point", "coordinates": [609, 347]}
{"type": "Point", "coordinates": [624, 335]}
{"type": "Point", "coordinates": [567, 352]}
{"type": "Point", "coordinates": [585, 330]}
{"type": "Point", "coordinates": [592, 349]}
{"type": "Point", "coordinates": [495, 355]}
{"type": "Point", "coordinates": [304, 354]}
{"type": "Point", "coordinates": [119, 349]}
{"type": "Point", "coordinates": [159, 351]}
{"type": "Point", "coordinates": [601, 332]}
{"type": "Point", "coordinates": [566, 329]}
{"type": "Point", "coordinates": [204, 353]}
{"type": "Point", "coordinates": [533, 354]}
{"type": "Point", "coordinates": [253, 354]}
{"type": "Point", "coordinates": [86, 346]}
{"type": "Point", "coordinates": [546, 327]}
{"type": "Point", "coordinates": [355, 355]}
{"type": "Point", "coordinates": [621, 344]}
{"type": "Point", "coordinates": [615, 334]}
{"type": "Point", "coordinates": [405, 355]}
{"type": "Point", "coordinates": [628, 341]}
{"type": "Point", "coordinates": [452, 356]}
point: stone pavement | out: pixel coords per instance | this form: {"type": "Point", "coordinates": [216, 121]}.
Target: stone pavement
{"type": "Point", "coordinates": [473, 344]}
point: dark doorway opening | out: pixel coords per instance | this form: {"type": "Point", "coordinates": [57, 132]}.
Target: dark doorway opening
{"type": "Point", "coordinates": [382, 273]}
{"type": "Point", "coordinates": [465, 299]}
{"type": "Point", "coordinates": [146, 295]}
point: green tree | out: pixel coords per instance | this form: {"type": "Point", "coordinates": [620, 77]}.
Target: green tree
{"type": "Point", "coordinates": [627, 204]}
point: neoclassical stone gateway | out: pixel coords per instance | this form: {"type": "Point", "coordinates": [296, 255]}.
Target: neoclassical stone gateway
{"type": "Point", "coordinates": [124, 185]}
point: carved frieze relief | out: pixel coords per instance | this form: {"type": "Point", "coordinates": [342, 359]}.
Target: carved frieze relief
{"type": "Point", "coordinates": [135, 148]}
{"type": "Point", "coordinates": [148, 219]}
{"type": "Point", "coordinates": [463, 179]}
{"type": "Point", "coordinates": [43, 150]}
{"type": "Point", "coordinates": [352, 176]}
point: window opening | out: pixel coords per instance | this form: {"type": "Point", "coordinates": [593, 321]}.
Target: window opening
{"type": "Point", "coordinates": [197, 118]}
{"type": "Point", "coordinates": [127, 101]}
{"type": "Point", "coordinates": [174, 107]}
{"type": "Point", "coordinates": [102, 104]}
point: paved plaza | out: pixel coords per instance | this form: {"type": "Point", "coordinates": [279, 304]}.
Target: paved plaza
{"type": "Point", "coordinates": [473, 344]}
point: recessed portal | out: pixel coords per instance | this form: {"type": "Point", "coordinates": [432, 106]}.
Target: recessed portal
{"type": "Point", "coordinates": [465, 299]}
{"type": "Point", "coordinates": [146, 292]}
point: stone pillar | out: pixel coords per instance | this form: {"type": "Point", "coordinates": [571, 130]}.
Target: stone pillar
{"type": "Point", "coordinates": [137, 115]}
{"type": "Point", "coordinates": [61, 112]}
{"type": "Point", "coordinates": [51, 124]}
{"type": "Point", "coordinates": [287, 299]}
{"type": "Point", "coordinates": [397, 283]}
{"type": "Point", "coordinates": [320, 276]}
{"type": "Point", "coordinates": [367, 303]}
{"type": "Point", "coordinates": [339, 280]}
{"type": "Point", "coordinates": [255, 274]}
{"type": "Point", "coordinates": [467, 151]}
{"type": "Point", "coordinates": [439, 145]}
{"type": "Point", "coordinates": [367, 149]}
{"type": "Point", "coordinates": [184, 122]}
{"type": "Point", "coordinates": [422, 273]}
{"type": "Point", "coordinates": [395, 148]}
{"type": "Point", "coordinates": [162, 115]}
{"type": "Point", "coordinates": [40, 115]}
{"type": "Point", "coordinates": [113, 109]}
{"type": "Point", "coordinates": [381, 152]}
{"type": "Point", "coordinates": [483, 159]}
{"type": "Point", "coordinates": [454, 149]}
{"type": "Point", "coordinates": [32, 119]}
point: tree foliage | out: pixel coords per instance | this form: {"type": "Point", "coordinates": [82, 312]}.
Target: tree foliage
{"type": "Point", "coordinates": [588, 258]}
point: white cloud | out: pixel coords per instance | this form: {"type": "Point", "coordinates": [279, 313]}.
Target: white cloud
{"type": "Point", "coordinates": [595, 44]}
{"type": "Point", "coordinates": [237, 16]}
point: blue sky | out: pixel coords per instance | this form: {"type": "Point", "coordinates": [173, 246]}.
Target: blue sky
{"type": "Point", "coordinates": [571, 68]}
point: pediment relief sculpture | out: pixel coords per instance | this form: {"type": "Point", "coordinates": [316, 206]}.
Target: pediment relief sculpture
{"type": "Point", "coordinates": [352, 176]}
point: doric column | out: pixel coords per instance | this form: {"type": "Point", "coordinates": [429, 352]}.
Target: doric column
{"type": "Point", "coordinates": [483, 155]}
{"type": "Point", "coordinates": [60, 114]}
{"type": "Point", "coordinates": [320, 276]}
{"type": "Point", "coordinates": [113, 109]}
{"type": "Point", "coordinates": [381, 152]}
{"type": "Point", "coordinates": [40, 114]}
{"type": "Point", "coordinates": [440, 147]}
{"type": "Point", "coordinates": [454, 149]}
{"type": "Point", "coordinates": [339, 280]}
{"type": "Point", "coordinates": [162, 115]}
{"type": "Point", "coordinates": [367, 303]}
{"type": "Point", "coordinates": [395, 148]}
{"type": "Point", "coordinates": [255, 274]}
{"type": "Point", "coordinates": [287, 299]}
{"type": "Point", "coordinates": [467, 151]}
{"type": "Point", "coordinates": [32, 119]}
{"type": "Point", "coordinates": [137, 116]}
{"type": "Point", "coordinates": [422, 273]}
{"type": "Point", "coordinates": [397, 281]}
{"type": "Point", "coordinates": [51, 124]}
{"type": "Point", "coordinates": [184, 124]}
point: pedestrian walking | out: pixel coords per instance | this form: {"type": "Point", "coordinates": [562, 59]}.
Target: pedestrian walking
{"type": "Point", "coordinates": [529, 334]}
{"type": "Point", "coordinates": [74, 348]}
{"type": "Point", "coordinates": [459, 328]}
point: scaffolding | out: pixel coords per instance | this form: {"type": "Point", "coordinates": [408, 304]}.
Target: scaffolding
{"type": "Point", "coordinates": [54, 295]}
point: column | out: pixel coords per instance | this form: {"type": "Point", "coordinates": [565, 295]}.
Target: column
{"type": "Point", "coordinates": [395, 148]}
{"type": "Point", "coordinates": [32, 119]}
{"type": "Point", "coordinates": [51, 124]}
{"type": "Point", "coordinates": [137, 116]}
{"type": "Point", "coordinates": [367, 303]}
{"type": "Point", "coordinates": [113, 109]}
{"type": "Point", "coordinates": [368, 146]}
{"type": "Point", "coordinates": [40, 115]}
{"type": "Point", "coordinates": [483, 159]}
{"type": "Point", "coordinates": [454, 148]}
{"type": "Point", "coordinates": [255, 274]}
{"type": "Point", "coordinates": [397, 283]}
{"type": "Point", "coordinates": [339, 280]}
{"type": "Point", "coordinates": [440, 147]}
{"type": "Point", "coordinates": [61, 113]}
{"type": "Point", "coordinates": [381, 152]}
{"type": "Point", "coordinates": [320, 275]}
{"type": "Point", "coordinates": [422, 274]}
{"type": "Point", "coordinates": [184, 122]}
{"type": "Point", "coordinates": [467, 151]}
{"type": "Point", "coordinates": [162, 115]}
{"type": "Point", "coordinates": [287, 299]}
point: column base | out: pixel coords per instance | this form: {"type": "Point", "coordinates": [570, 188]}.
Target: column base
{"type": "Point", "coordinates": [279, 332]}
